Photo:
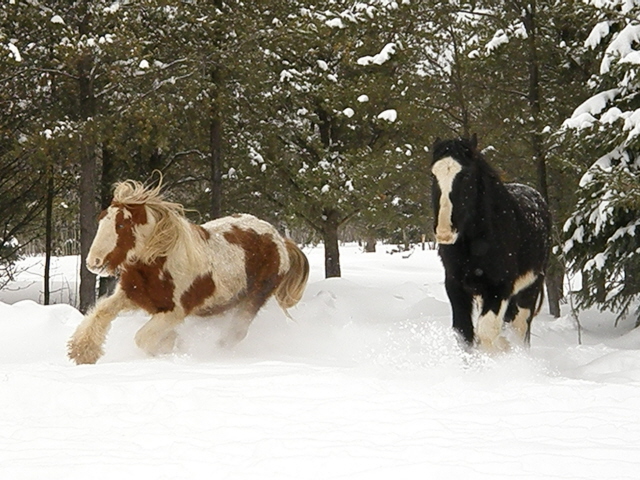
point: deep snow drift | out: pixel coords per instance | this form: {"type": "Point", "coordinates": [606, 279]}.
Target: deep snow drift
{"type": "Point", "coordinates": [368, 382]}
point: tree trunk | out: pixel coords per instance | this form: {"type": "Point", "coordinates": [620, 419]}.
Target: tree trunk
{"type": "Point", "coordinates": [331, 248]}
{"type": "Point", "coordinates": [215, 163]}
{"type": "Point", "coordinates": [88, 180]}
{"type": "Point", "coordinates": [88, 213]}
{"type": "Point", "coordinates": [555, 276]}
{"type": "Point", "coordinates": [48, 236]}
{"type": "Point", "coordinates": [108, 178]}
{"type": "Point", "coordinates": [554, 283]}
{"type": "Point", "coordinates": [370, 244]}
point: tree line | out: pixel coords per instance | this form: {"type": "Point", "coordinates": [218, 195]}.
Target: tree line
{"type": "Point", "coordinates": [319, 116]}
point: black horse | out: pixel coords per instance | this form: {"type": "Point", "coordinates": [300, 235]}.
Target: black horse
{"type": "Point", "coordinates": [494, 241]}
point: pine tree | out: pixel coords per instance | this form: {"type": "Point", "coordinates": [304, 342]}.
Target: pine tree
{"type": "Point", "coordinates": [602, 233]}
{"type": "Point", "coordinates": [329, 145]}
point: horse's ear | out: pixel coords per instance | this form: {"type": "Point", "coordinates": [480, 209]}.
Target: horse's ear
{"type": "Point", "coordinates": [474, 141]}
{"type": "Point", "coordinates": [437, 141]}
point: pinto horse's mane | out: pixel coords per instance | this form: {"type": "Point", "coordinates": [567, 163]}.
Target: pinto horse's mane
{"type": "Point", "coordinates": [171, 224]}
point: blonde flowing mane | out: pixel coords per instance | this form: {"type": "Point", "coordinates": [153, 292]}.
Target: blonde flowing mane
{"type": "Point", "coordinates": [171, 226]}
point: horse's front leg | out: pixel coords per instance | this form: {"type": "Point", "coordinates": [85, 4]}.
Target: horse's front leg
{"type": "Point", "coordinates": [85, 346]}
{"type": "Point", "coordinates": [489, 330]}
{"type": "Point", "coordinates": [158, 335]}
{"type": "Point", "coordinates": [462, 308]}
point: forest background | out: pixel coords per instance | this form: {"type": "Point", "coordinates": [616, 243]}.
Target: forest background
{"type": "Point", "coordinates": [319, 116]}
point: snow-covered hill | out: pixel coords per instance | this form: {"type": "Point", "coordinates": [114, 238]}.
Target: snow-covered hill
{"type": "Point", "coordinates": [368, 382]}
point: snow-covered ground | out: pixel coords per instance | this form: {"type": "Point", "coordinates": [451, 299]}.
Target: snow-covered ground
{"type": "Point", "coordinates": [367, 383]}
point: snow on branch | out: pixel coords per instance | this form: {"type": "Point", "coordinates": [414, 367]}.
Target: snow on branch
{"type": "Point", "coordinates": [384, 56]}
{"type": "Point", "coordinates": [15, 53]}
{"type": "Point", "coordinates": [625, 6]}
{"type": "Point", "coordinates": [605, 164]}
{"type": "Point", "coordinates": [502, 37]}
{"type": "Point", "coordinates": [584, 115]}
{"type": "Point", "coordinates": [621, 47]}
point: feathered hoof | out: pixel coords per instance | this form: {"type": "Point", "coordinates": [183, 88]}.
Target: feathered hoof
{"type": "Point", "coordinates": [83, 353]}
{"type": "Point", "coordinates": [155, 345]}
{"type": "Point", "coordinates": [496, 346]}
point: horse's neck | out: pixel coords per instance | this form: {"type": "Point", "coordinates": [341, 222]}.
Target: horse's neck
{"type": "Point", "coordinates": [495, 202]}
{"type": "Point", "coordinates": [189, 250]}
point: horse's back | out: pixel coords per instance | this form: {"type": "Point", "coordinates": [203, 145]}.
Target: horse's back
{"type": "Point", "coordinates": [252, 235]}
{"type": "Point", "coordinates": [535, 222]}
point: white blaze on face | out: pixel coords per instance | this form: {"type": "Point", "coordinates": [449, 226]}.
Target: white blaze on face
{"type": "Point", "coordinates": [103, 243]}
{"type": "Point", "coordinates": [445, 170]}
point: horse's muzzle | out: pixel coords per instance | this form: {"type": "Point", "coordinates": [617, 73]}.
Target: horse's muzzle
{"type": "Point", "coordinates": [97, 267]}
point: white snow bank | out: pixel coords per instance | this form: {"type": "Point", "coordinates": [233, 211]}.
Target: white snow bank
{"type": "Point", "coordinates": [367, 382]}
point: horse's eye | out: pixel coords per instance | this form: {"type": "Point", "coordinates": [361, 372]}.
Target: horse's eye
{"type": "Point", "coordinates": [120, 226]}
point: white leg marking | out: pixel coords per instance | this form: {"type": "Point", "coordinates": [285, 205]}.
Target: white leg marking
{"type": "Point", "coordinates": [85, 346]}
{"type": "Point", "coordinates": [490, 328]}
{"type": "Point", "coordinates": [525, 281]}
{"type": "Point", "coordinates": [519, 323]}
{"type": "Point", "coordinates": [157, 336]}
{"type": "Point", "coordinates": [445, 171]}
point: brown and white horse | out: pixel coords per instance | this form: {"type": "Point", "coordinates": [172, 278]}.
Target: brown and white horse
{"type": "Point", "coordinates": [172, 268]}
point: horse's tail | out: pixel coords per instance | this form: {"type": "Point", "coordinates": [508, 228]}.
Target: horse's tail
{"type": "Point", "coordinates": [540, 295]}
{"type": "Point", "coordinates": [292, 286]}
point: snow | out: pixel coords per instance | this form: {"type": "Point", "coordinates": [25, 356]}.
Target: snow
{"type": "Point", "coordinates": [598, 33]}
{"type": "Point", "coordinates": [15, 53]}
{"type": "Point", "coordinates": [499, 38]}
{"type": "Point", "coordinates": [348, 112]}
{"type": "Point", "coordinates": [366, 382]}
{"type": "Point", "coordinates": [335, 23]}
{"type": "Point", "coordinates": [621, 46]}
{"type": "Point", "coordinates": [380, 58]}
{"type": "Point", "coordinates": [583, 116]}
{"type": "Point", "coordinates": [390, 115]}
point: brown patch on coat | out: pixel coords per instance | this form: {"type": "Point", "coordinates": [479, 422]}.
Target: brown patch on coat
{"type": "Point", "coordinates": [200, 289]}
{"type": "Point", "coordinates": [204, 234]}
{"type": "Point", "coordinates": [124, 226]}
{"type": "Point", "coordinates": [262, 262]}
{"type": "Point", "coordinates": [149, 286]}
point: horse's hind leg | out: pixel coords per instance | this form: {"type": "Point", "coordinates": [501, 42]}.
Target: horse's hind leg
{"type": "Point", "coordinates": [158, 335]}
{"type": "Point", "coordinates": [85, 346]}
{"type": "Point", "coordinates": [526, 302]}
{"type": "Point", "coordinates": [239, 326]}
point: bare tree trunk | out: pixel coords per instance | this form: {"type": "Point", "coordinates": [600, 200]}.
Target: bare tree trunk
{"type": "Point", "coordinates": [555, 272]}
{"type": "Point", "coordinates": [370, 244]}
{"type": "Point", "coordinates": [88, 177]}
{"type": "Point", "coordinates": [215, 135]}
{"type": "Point", "coordinates": [48, 236]}
{"type": "Point", "coordinates": [554, 283]}
{"type": "Point", "coordinates": [331, 247]}
{"type": "Point", "coordinates": [88, 213]}
{"type": "Point", "coordinates": [215, 161]}
{"type": "Point", "coordinates": [106, 284]}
